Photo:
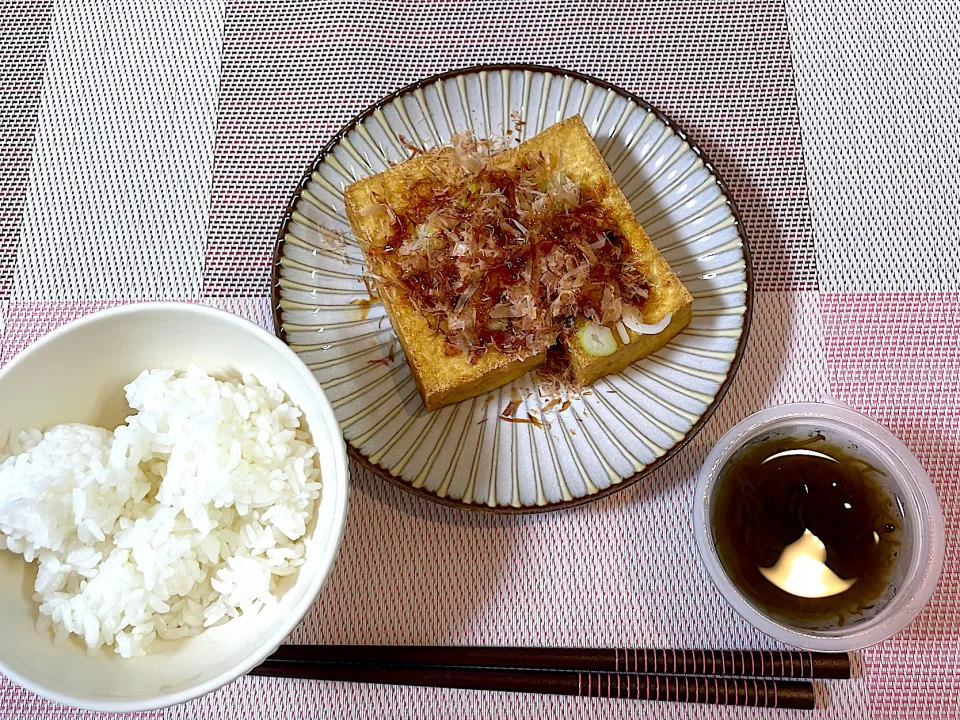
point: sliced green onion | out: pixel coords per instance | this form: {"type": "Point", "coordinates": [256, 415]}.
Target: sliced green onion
{"type": "Point", "coordinates": [597, 340]}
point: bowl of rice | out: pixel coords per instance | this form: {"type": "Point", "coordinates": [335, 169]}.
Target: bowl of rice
{"type": "Point", "coordinates": [173, 491]}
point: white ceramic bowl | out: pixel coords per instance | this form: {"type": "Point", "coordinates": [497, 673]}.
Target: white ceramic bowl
{"type": "Point", "coordinates": [77, 374]}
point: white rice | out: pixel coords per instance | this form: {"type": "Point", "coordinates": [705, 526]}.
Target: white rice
{"type": "Point", "coordinates": [179, 520]}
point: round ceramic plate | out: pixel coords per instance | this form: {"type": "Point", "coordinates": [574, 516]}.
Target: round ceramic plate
{"type": "Point", "coordinates": [616, 432]}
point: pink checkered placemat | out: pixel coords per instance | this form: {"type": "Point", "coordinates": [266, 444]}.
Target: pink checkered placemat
{"type": "Point", "coordinates": [147, 150]}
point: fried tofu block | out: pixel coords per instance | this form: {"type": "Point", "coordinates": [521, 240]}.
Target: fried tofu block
{"type": "Point", "coordinates": [443, 377]}
{"type": "Point", "coordinates": [584, 164]}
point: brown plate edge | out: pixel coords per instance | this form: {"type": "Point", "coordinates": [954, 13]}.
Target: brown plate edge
{"type": "Point", "coordinates": [707, 413]}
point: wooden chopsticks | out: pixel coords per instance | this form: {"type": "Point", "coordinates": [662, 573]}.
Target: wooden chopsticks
{"type": "Point", "coordinates": [760, 678]}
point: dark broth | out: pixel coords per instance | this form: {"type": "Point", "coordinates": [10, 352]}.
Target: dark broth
{"type": "Point", "coordinates": [763, 504]}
